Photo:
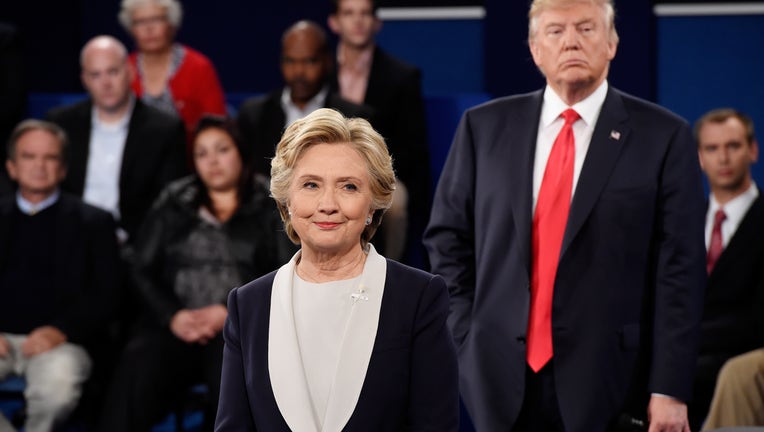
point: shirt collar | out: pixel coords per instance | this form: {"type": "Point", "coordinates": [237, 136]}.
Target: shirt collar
{"type": "Point", "coordinates": [120, 124]}
{"type": "Point", "coordinates": [316, 101]}
{"type": "Point", "coordinates": [588, 108]}
{"type": "Point", "coordinates": [738, 206]}
{"type": "Point", "coordinates": [363, 62]}
{"type": "Point", "coordinates": [30, 208]}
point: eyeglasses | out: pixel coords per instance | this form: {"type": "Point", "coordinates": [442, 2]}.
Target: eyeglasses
{"type": "Point", "coordinates": [148, 21]}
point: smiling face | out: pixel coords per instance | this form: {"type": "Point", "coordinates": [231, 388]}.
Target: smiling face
{"type": "Point", "coordinates": [726, 155]}
{"type": "Point", "coordinates": [573, 45]}
{"type": "Point", "coordinates": [330, 199]}
{"type": "Point", "coordinates": [217, 160]}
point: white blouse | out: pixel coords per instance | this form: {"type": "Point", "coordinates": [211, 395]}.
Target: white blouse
{"type": "Point", "coordinates": [321, 315]}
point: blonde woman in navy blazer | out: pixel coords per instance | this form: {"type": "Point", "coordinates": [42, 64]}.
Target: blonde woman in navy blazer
{"type": "Point", "coordinates": [371, 351]}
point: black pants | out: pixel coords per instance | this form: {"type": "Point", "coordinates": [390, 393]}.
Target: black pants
{"type": "Point", "coordinates": [540, 411]}
{"type": "Point", "coordinates": [153, 376]}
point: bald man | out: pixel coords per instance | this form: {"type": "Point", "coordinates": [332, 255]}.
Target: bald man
{"type": "Point", "coordinates": [122, 151]}
{"type": "Point", "coordinates": [306, 62]}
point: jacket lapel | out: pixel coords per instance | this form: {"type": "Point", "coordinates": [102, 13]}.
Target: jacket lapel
{"type": "Point", "coordinates": [290, 387]}
{"type": "Point", "coordinates": [520, 170]}
{"type": "Point", "coordinates": [610, 133]}
{"type": "Point", "coordinates": [357, 344]}
{"type": "Point", "coordinates": [285, 367]}
{"type": "Point", "coordinates": [132, 151]}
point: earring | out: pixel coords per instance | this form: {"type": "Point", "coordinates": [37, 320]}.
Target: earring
{"type": "Point", "coordinates": [368, 220]}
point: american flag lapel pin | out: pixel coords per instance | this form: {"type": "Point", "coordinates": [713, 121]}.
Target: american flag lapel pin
{"type": "Point", "coordinates": [614, 134]}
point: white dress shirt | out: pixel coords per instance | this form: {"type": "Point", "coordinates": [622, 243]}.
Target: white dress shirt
{"type": "Point", "coordinates": [293, 112]}
{"type": "Point", "coordinates": [107, 145]}
{"type": "Point", "coordinates": [550, 124]}
{"type": "Point", "coordinates": [735, 210]}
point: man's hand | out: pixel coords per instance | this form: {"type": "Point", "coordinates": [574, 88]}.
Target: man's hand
{"type": "Point", "coordinates": [42, 339]}
{"type": "Point", "coordinates": [667, 414]}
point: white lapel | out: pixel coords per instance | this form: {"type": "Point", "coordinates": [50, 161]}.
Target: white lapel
{"type": "Point", "coordinates": [285, 367]}
{"type": "Point", "coordinates": [290, 387]}
{"type": "Point", "coordinates": [357, 344]}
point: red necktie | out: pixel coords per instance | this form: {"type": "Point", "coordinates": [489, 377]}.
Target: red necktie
{"type": "Point", "coordinates": [549, 222]}
{"type": "Point", "coordinates": [715, 246]}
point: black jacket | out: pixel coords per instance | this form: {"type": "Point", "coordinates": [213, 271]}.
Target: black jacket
{"type": "Point", "coordinates": [255, 233]}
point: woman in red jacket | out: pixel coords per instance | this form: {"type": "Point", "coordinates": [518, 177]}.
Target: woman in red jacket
{"type": "Point", "coordinates": [170, 76]}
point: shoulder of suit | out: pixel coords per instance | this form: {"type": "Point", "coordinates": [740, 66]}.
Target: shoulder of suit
{"type": "Point", "coordinates": [256, 103]}
{"type": "Point", "coordinates": [79, 109]}
{"type": "Point", "coordinates": [506, 104]}
{"type": "Point", "coordinates": [143, 113]}
{"type": "Point", "coordinates": [72, 203]}
{"type": "Point", "coordinates": [637, 106]}
{"type": "Point", "coordinates": [394, 63]}
{"type": "Point", "coordinates": [256, 290]}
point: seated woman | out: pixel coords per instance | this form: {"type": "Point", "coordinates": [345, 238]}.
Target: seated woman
{"type": "Point", "coordinates": [170, 76]}
{"type": "Point", "coordinates": [206, 234]}
{"type": "Point", "coordinates": [340, 338]}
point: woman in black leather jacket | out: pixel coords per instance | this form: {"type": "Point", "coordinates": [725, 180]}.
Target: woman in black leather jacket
{"type": "Point", "coordinates": [206, 234]}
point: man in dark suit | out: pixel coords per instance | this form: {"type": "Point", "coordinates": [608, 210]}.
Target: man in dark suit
{"type": "Point", "coordinates": [123, 151]}
{"type": "Point", "coordinates": [732, 317]}
{"type": "Point", "coordinates": [566, 224]}
{"type": "Point", "coordinates": [367, 74]}
{"type": "Point", "coordinates": [58, 273]}
{"type": "Point", "coordinates": [305, 66]}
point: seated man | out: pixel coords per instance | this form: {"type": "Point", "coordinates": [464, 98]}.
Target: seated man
{"type": "Point", "coordinates": [739, 395]}
{"type": "Point", "coordinates": [58, 265]}
{"type": "Point", "coordinates": [305, 65]}
{"type": "Point", "coordinates": [123, 151]}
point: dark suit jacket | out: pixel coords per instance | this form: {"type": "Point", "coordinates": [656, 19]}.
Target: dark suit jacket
{"type": "Point", "coordinates": [261, 121]}
{"type": "Point", "coordinates": [629, 287]}
{"type": "Point", "coordinates": [86, 266]}
{"type": "Point", "coordinates": [733, 322]}
{"type": "Point", "coordinates": [410, 383]}
{"type": "Point", "coordinates": [154, 155]}
{"type": "Point", "coordinates": [394, 91]}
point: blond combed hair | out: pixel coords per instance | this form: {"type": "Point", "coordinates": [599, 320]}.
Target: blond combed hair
{"type": "Point", "coordinates": [327, 126]}
{"type": "Point", "coordinates": [539, 6]}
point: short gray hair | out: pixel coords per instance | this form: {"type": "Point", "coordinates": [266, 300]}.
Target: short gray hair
{"type": "Point", "coordinates": [174, 11]}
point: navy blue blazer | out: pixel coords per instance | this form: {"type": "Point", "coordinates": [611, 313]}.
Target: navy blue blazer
{"type": "Point", "coordinates": [411, 381]}
{"type": "Point", "coordinates": [629, 288]}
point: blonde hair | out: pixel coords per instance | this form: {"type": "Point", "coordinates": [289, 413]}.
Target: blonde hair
{"type": "Point", "coordinates": [173, 7]}
{"type": "Point", "coordinates": [327, 126]}
{"type": "Point", "coordinates": [539, 6]}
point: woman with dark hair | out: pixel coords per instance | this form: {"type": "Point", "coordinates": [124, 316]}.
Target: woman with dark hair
{"type": "Point", "coordinates": [206, 234]}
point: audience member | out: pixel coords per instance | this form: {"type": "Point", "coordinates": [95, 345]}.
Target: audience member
{"type": "Point", "coordinates": [567, 226]}
{"type": "Point", "coordinates": [739, 396]}
{"type": "Point", "coordinates": [58, 271]}
{"type": "Point", "coordinates": [170, 76]}
{"type": "Point", "coordinates": [366, 74]}
{"type": "Point", "coordinates": [733, 317]}
{"type": "Point", "coordinates": [12, 92]}
{"type": "Point", "coordinates": [123, 152]}
{"type": "Point", "coordinates": [205, 235]}
{"type": "Point", "coordinates": [305, 66]}
{"type": "Point", "coordinates": [339, 338]}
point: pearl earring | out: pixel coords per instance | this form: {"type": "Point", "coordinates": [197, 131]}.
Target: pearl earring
{"type": "Point", "coordinates": [368, 220]}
